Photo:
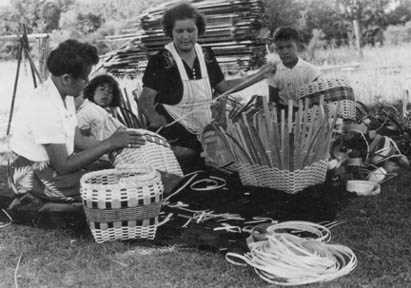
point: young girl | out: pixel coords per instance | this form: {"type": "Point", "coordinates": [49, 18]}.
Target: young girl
{"type": "Point", "coordinates": [104, 91]}
{"type": "Point", "coordinates": [95, 122]}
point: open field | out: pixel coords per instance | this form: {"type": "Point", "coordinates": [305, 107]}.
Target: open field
{"type": "Point", "coordinates": [377, 228]}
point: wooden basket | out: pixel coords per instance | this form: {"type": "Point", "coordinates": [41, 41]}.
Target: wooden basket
{"type": "Point", "coordinates": [156, 153]}
{"type": "Point", "coordinates": [122, 203]}
{"type": "Point", "coordinates": [334, 91]}
{"type": "Point", "coordinates": [284, 180]}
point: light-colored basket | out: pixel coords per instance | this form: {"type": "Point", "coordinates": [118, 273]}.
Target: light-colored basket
{"type": "Point", "coordinates": [288, 181]}
{"type": "Point", "coordinates": [122, 203]}
{"type": "Point", "coordinates": [156, 153]}
{"type": "Point", "coordinates": [335, 91]}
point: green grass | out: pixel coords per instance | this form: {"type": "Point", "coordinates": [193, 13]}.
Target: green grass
{"type": "Point", "coordinates": [377, 228]}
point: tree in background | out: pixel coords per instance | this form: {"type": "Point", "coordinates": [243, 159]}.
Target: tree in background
{"type": "Point", "coordinates": [401, 14]}
{"type": "Point", "coordinates": [371, 16]}
{"type": "Point", "coordinates": [92, 20]}
{"type": "Point", "coordinates": [282, 13]}
{"type": "Point", "coordinates": [327, 17]}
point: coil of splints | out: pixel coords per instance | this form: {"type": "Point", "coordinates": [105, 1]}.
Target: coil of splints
{"type": "Point", "coordinates": [296, 253]}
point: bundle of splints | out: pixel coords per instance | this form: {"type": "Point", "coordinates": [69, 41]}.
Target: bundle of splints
{"type": "Point", "coordinates": [282, 149]}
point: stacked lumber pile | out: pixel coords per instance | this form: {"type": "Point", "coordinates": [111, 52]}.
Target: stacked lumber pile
{"type": "Point", "coordinates": [232, 32]}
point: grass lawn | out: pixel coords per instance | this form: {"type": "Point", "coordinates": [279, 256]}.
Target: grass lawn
{"type": "Point", "coordinates": [377, 228]}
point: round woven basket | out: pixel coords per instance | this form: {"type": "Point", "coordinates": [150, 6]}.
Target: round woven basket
{"type": "Point", "coordinates": [156, 153]}
{"type": "Point", "coordinates": [284, 180]}
{"type": "Point", "coordinates": [336, 92]}
{"type": "Point", "coordinates": [122, 203]}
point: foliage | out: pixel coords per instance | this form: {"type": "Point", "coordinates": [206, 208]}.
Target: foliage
{"type": "Point", "coordinates": [282, 13]}
{"type": "Point", "coordinates": [400, 14]}
{"type": "Point", "coordinates": [396, 34]}
{"type": "Point", "coordinates": [93, 20]}
{"type": "Point", "coordinates": [84, 20]}
{"type": "Point", "coordinates": [326, 17]}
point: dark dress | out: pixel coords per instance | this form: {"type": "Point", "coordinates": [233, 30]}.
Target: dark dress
{"type": "Point", "coordinates": [163, 76]}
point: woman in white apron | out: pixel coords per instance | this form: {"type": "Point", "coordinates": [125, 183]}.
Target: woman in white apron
{"type": "Point", "coordinates": [179, 81]}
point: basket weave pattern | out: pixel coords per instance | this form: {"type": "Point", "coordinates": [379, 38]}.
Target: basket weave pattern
{"type": "Point", "coordinates": [156, 153]}
{"type": "Point", "coordinates": [347, 108]}
{"type": "Point", "coordinates": [335, 91]}
{"type": "Point", "coordinates": [122, 204]}
{"type": "Point", "coordinates": [288, 181]}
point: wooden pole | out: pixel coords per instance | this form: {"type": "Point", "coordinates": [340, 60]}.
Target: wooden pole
{"type": "Point", "coordinates": [357, 33]}
{"type": "Point", "coordinates": [16, 80]}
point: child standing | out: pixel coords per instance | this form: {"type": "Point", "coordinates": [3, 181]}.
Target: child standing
{"type": "Point", "coordinates": [292, 72]}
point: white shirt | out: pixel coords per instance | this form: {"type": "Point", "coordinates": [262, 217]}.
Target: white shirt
{"type": "Point", "coordinates": [101, 124]}
{"type": "Point", "coordinates": [42, 118]}
{"type": "Point", "coordinates": [289, 80]}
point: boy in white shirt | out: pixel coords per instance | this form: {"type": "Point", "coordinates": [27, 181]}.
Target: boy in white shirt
{"type": "Point", "coordinates": [292, 72]}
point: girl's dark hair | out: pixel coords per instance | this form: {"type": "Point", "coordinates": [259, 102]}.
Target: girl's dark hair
{"type": "Point", "coordinates": [285, 34]}
{"type": "Point", "coordinates": [100, 80]}
{"type": "Point", "coordinates": [182, 11]}
{"type": "Point", "coordinates": [72, 57]}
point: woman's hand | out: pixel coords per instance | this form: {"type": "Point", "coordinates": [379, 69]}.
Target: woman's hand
{"type": "Point", "coordinates": [147, 104]}
{"type": "Point", "coordinates": [126, 138]}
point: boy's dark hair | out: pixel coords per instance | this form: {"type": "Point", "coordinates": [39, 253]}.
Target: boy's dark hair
{"type": "Point", "coordinates": [182, 11]}
{"type": "Point", "coordinates": [100, 80]}
{"type": "Point", "coordinates": [72, 57]}
{"type": "Point", "coordinates": [286, 34]}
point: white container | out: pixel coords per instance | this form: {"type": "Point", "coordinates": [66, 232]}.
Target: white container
{"type": "Point", "coordinates": [363, 187]}
{"type": "Point", "coordinates": [377, 175]}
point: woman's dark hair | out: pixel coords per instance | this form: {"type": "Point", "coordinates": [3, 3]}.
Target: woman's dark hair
{"type": "Point", "coordinates": [182, 11]}
{"type": "Point", "coordinates": [72, 57]}
{"type": "Point", "coordinates": [101, 80]}
{"type": "Point", "coordinates": [285, 34]}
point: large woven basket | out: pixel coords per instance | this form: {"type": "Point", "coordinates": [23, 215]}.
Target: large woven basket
{"type": "Point", "coordinates": [335, 92]}
{"type": "Point", "coordinates": [288, 181]}
{"type": "Point", "coordinates": [156, 153]}
{"type": "Point", "coordinates": [122, 203]}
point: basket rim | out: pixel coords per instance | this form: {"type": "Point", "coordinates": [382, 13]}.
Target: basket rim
{"type": "Point", "coordinates": [149, 175]}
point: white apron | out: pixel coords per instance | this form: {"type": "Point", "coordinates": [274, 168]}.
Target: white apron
{"type": "Point", "coordinates": [197, 95]}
